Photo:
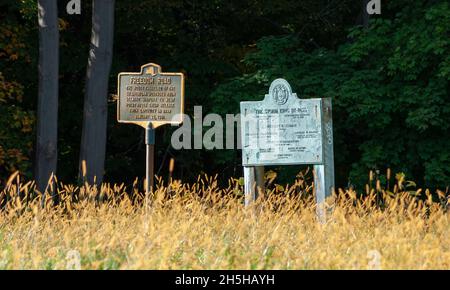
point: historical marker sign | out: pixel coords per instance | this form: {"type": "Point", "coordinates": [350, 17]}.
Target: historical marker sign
{"type": "Point", "coordinates": [285, 130]}
{"type": "Point", "coordinates": [281, 129]}
{"type": "Point", "coordinates": [150, 96]}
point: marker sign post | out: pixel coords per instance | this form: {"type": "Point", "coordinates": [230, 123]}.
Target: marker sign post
{"type": "Point", "coordinates": [150, 99]}
{"type": "Point", "coordinates": [285, 130]}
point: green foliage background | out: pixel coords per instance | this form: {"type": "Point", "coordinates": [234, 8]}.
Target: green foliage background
{"type": "Point", "coordinates": [390, 89]}
{"type": "Point", "coordinates": [389, 82]}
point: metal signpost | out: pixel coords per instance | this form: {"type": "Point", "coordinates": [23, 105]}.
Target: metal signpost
{"type": "Point", "coordinates": [150, 99]}
{"type": "Point", "coordinates": [285, 130]}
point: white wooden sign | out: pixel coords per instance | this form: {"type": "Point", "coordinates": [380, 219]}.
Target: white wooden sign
{"type": "Point", "coordinates": [283, 129]}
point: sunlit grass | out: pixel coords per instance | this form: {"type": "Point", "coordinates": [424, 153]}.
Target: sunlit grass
{"type": "Point", "coordinates": [204, 226]}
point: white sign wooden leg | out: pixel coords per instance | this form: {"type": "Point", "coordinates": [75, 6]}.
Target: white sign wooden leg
{"type": "Point", "coordinates": [320, 191]}
{"type": "Point", "coordinates": [328, 152]}
{"type": "Point", "coordinates": [260, 181]}
{"type": "Point", "coordinates": [324, 174]}
{"type": "Point", "coordinates": [253, 182]}
{"type": "Point", "coordinates": [249, 184]}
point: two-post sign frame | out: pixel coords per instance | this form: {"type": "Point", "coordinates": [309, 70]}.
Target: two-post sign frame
{"type": "Point", "coordinates": [150, 98]}
{"type": "Point", "coordinates": [293, 131]}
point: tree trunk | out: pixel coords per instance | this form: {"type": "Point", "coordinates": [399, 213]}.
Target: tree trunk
{"type": "Point", "coordinates": [93, 140]}
{"type": "Point", "coordinates": [47, 114]}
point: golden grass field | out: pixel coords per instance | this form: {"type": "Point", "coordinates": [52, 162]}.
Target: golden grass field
{"type": "Point", "coordinates": [203, 226]}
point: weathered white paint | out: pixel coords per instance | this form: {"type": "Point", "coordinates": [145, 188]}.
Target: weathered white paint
{"type": "Point", "coordinates": [282, 129]}
{"type": "Point", "coordinates": [275, 139]}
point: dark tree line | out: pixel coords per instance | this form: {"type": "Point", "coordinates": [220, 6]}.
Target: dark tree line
{"type": "Point", "coordinates": [380, 71]}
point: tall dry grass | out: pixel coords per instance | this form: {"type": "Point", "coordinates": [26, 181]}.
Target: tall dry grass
{"type": "Point", "coordinates": [204, 226]}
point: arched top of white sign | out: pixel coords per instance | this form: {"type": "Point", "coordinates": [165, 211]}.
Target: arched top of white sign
{"type": "Point", "coordinates": [280, 92]}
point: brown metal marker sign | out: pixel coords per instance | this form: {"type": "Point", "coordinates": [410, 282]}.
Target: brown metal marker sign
{"type": "Point", "coordinates": [150, 97]}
